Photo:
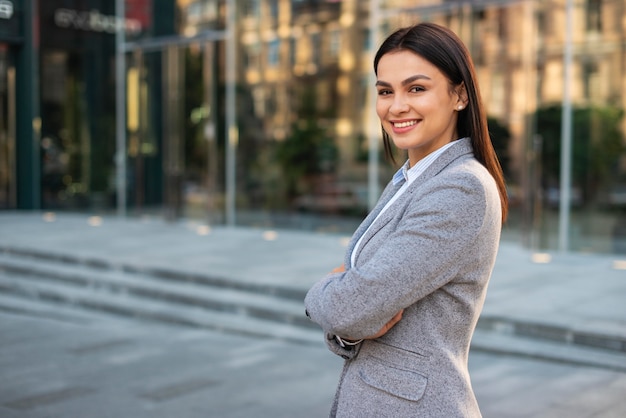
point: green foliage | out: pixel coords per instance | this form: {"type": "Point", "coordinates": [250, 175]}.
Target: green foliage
{"type": "Point", "coordinates": [597, 145]}
{"type": "Point", "coordinates": [195, 150]}
{"type": "Point", "coordinates": [308, 150]}
{"type": "Point", "coordinates": [500, 138]}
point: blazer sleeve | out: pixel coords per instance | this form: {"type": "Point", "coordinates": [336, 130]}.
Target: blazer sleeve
{"type": "Point", "coordinates": [406, 260]}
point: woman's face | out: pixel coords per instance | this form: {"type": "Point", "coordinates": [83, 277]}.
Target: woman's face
{"type": "Point", "coordinates": [416, 104]}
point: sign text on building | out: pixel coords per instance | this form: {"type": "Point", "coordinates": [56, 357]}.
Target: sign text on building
{"type": "Point", "coordinates": [94, 21]}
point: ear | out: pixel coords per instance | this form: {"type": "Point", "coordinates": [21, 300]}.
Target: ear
{"type": "Point", "coordinates": [461, 94]}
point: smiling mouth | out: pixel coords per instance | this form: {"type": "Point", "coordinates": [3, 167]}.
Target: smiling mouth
{"type": "Point", "coordinates": [404, 124]}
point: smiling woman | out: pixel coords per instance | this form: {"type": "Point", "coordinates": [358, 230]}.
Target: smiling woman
{"type": "Point", "coordinates": [417, 104]}
{"type": "Point", "coordinates": [403, 307]}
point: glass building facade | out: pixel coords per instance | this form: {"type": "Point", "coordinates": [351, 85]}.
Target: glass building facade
{"type": "Point", "coordinates": [260, 112]}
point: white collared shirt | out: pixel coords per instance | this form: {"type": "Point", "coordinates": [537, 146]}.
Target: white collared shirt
{"type": "Point", "coordinates": [408, 175]}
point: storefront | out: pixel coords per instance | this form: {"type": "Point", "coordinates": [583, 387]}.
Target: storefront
{"type": "Point", "coordinates": [275, 123]}
{"type": "Point", "coordinates": [77, 99]}
{"type": "Point", "coordinates": [59, 147]}
{"type": "Point", "coordinates": [11, 43]}
{"type": "Point", "coordinates": [57, 100]}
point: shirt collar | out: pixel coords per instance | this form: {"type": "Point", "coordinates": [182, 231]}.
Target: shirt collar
{"type": "Point", "coordinates": [402, 175]}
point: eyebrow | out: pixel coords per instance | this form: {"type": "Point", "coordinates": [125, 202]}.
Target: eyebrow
{"type": "Point", "coordinates": [404, 82]}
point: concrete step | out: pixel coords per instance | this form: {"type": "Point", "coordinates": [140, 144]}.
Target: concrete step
{"type": "Point", "coordinates": [62, 286]}
{"type": "Point", "coordinates": [553, 332]}
{"type": "Point", "coordinates": [247, 302]}
{"type": "Point", "coordinates": [36, 309]}
{"type": "Point", "coordinates": [48, 297]}
{"type": "Point", "coordinates": [169, 274]}
{"type": "Point", "coordinates": [554, 351]}
{"type": "Point", "coordinates": [141, 296]}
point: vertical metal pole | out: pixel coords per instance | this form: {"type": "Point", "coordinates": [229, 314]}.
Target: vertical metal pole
{"type": "Point", "coordinates": [12, 136]}
{"type": "Point", "coordinates": [209, 128]}
{"type": "Point", "coordinates": [531, 183]}
{"type": "Point", "coordinates": [566, 135]}
{"type": "Point", "coordinates": [232, 134]}
{"type": "Point", "coordinates": [120, 107]}
{"type": "Point", "coordinates": [374, 126]}
{"type": "Point", "coordinates": [28, 118]}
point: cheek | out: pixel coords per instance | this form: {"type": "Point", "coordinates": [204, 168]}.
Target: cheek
{"type": "Point", "coordinates": [381, 109]}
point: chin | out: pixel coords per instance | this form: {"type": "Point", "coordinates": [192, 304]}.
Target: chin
{"type": "Point", "coordinates": [404, 146]}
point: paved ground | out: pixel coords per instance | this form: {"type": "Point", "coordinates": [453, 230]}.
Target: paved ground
{"type": "Point", "coordinates": [98, 368]}
{"type": "Point", "coordinates": [125, 368]}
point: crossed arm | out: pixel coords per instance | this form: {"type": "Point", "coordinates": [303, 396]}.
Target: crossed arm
{"type": "Point", "coordinates": [393, 321]}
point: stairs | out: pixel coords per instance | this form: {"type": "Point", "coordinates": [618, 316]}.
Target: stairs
{"type": "Point", "coordinates": [75, 289]}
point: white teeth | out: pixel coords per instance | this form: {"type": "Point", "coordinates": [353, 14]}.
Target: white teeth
{"type": "Point", "coordinates": [405, 124]}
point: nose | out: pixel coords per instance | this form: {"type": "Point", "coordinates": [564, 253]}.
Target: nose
{"type": "Point", "coordinates": [399, 105]}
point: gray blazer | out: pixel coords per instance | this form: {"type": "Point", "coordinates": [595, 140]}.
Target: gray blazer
{"type": "Point", "coordinates": [431, 253]}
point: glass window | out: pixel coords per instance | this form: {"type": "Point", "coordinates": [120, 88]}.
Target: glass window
{"type": "Point", "coordinates": [7, 129]}
{"type": "Point", "coordinates": [273, 53]}
{"type": "Point", "coordinates": [251, 8]}
{"type": "Point", "coordinates": [316, 47]}
{"type": "Point", "coordinates": [594, 15]}
{"type": "Point", "coordinates": [302, 155]}
{"type": "Point", "coordinates": [274, 9]}
{"type": "Point", "coordinates": [334, 42]}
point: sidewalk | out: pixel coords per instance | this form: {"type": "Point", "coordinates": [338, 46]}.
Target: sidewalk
{"type": "Point", "coordinates": [108, 367]}
{"type": "Point", "coordinates": [571, 298]}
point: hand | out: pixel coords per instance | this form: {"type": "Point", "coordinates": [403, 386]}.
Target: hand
{"type": "Point", "coordinates": [339, 269]}
{"type": "Point", "coordinates": [393, 321]}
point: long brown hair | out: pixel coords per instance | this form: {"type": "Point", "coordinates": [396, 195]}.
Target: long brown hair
{"type": "Point", "coordinates": [445, 50]}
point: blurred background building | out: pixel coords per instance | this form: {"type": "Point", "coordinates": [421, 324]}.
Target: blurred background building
{"type": "Point", "coordinates": [260, 112]}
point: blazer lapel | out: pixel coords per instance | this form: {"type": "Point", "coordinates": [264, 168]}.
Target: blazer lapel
{"type": "Point", "coordinates": [461, 148]}
{"type": "Point", "coordinates": [387, 194]}
{"type": "Point", "coordinates": [464, 147]}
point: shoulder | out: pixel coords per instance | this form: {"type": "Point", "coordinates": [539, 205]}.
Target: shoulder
{"type": "Point", "coordinates": [458, 165]}
{"type": "Point", "coordinates": [462, 189]}
{"type": "Point", "coordinates": [465, 169]}
{"type": "Point", "coordinates": [468, 181]}
{"type": "Point", "coordinates": [468, 168]}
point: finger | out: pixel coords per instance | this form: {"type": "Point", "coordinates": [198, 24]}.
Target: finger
{"type": "Point", "coordinates": [339, 269]}
{"type": "Point", "coordinates": [397, 317]}
{"type": "Point", "coordinates": [393, 321]}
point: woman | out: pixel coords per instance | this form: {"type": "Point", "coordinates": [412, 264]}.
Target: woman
{"type": "Point", "coordinates": [403, 310]}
